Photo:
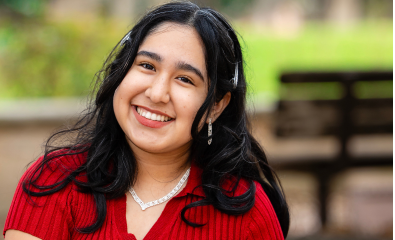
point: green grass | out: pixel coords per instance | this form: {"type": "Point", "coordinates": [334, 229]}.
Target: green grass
{"type": "Point", "coordinates": [318, 47]}
{"type": "Point", "coordinates": [45, 59]}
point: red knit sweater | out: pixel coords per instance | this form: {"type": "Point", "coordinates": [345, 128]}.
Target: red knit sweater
{"type": "Point", "coordinates": [58, 215]}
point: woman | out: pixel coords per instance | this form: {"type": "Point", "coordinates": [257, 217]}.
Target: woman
{"type": "Point", "coordinates": [164, 151]}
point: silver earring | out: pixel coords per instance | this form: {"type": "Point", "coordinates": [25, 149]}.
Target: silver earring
{"type": "Point", "coordinates": [210, 131]}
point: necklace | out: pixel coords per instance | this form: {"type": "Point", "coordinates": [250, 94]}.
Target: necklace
{"type": "Point", "coordinates": [163, 199]}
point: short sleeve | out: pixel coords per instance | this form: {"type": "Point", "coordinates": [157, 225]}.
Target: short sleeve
{"type": "Point", "coordinates": [263, 222]}
{"type": "Point", "coordinates": [46, 217]}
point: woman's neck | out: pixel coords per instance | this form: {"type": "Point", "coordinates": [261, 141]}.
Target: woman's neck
{"type": "Point", "coordinates": [161, 169]}
{"type": "Point", "coordinates": [158, 173]}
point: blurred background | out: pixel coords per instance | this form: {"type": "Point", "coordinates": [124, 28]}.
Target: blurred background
{"type": "Point", "coordinates": [50, 51]}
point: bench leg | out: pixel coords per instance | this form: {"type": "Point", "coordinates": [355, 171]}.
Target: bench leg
{"type": "Point", "coordinates": [323, 193]}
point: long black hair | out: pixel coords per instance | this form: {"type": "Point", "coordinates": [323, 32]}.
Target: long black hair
{"type": "Point", "coordinates": [111, 167]}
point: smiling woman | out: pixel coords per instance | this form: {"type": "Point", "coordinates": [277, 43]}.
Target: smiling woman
{"type": "Point", "coordinates": [163, 151]}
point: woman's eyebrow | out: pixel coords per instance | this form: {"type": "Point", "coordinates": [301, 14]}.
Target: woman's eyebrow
{"type": "Point", "coordinates": [187, 67]}
{"type": "Point", "coordinates": [152, 55]}
{"type": "Point", "coordinates": [180, 65]}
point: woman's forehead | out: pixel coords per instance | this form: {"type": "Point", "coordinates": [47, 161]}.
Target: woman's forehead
{"type": "Point", "coordinates": [165, 26]}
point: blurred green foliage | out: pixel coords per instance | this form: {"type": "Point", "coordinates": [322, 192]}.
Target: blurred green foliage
{"type": "Point", "coordinates": [41, 58]}
{"type": "Point", "coordinates": [26, 8]}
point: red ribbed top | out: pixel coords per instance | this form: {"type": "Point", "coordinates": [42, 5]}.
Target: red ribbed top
{"type": "Point", "coordinates": [58, 215]}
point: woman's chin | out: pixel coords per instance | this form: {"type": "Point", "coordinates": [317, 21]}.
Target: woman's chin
{"type": "Point", "coordinates": [158, 146]}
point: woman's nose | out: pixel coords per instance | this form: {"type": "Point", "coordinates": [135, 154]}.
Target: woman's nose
{"type": "Point", "coordinates": [158, 91]}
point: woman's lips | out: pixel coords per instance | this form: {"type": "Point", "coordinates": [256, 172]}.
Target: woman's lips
{"type": "Point", "coordinates": [149, 122]}
{"type": "Point", "coordinates": [152, 114]}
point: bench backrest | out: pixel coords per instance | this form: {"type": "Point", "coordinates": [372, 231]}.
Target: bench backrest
{"type": "Point", "coordinates": [341, 117]}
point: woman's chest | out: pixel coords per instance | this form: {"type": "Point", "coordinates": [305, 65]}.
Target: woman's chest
{"type": "Point", "coordinates": [164, 224]}
{"type": "Point", "coordinates": [140, 222]}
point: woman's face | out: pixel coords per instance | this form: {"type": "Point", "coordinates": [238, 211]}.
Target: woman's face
{"type": "Point", "coordinates": [157, 101]}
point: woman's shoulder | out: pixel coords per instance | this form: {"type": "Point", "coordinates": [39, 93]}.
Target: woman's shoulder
{"type": "Point", "coordinates": [46, 214]}
{"type": "Point", "coordinates": [260, 221]}
{"type": "Point", "coordinates": [49, 177]}
{"type": "Point", "coordinates": [262, 204]}
{"type": "Point", "coordinates": [52, 171]}
{"type": "Point", "coordinates": [66, 158]}
{"type": "Point", "coordinates": [263, 219]}
{"type": "Point", "coordinates": [54, 166]}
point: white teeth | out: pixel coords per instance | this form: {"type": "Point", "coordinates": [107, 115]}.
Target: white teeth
{"type": "Point", "coordinates": [152, 116]}
{"type": "Point", "coordinates": [148, 115]}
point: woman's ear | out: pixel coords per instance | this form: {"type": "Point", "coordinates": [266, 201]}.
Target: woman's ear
{"type": "Point", "coordinates": [219, 107]}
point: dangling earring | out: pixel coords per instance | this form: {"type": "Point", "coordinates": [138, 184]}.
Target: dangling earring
{"type": "Point", "coordinates": [210, 131]}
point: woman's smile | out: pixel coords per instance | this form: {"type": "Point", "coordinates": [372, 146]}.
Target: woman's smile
{"type": "Point", "coordinates": [151, 118]}
{"type": "Point", "coordinates": [149, 114]}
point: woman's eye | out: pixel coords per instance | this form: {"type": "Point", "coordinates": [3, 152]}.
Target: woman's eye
{"type": "Point", "coordinates": [147, 66]}
{"type": "Point", "coordinates": [186, 80]}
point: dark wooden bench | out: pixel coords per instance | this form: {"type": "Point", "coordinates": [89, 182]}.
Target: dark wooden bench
{"type": "Point", "coordinates": [343, 118]}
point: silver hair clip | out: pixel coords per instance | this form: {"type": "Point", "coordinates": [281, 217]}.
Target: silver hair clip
{"type": "Point", "coordinates": [235, 79]}
{"type": "Point", "coordinates": [126, 38]}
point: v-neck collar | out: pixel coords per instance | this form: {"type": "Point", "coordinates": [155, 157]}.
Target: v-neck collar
{"type": "Point", "coordinates": [193, 187]}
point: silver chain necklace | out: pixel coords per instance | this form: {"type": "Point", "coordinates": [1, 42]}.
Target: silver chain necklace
{"type": "Point", "coordinates": [163, 199]}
